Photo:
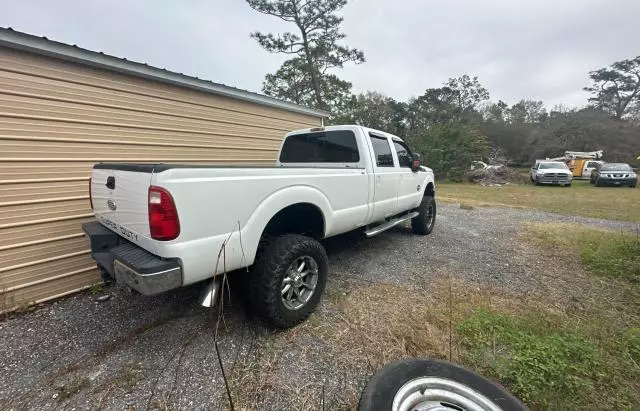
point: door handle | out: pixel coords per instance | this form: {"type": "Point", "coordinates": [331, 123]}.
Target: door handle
{"type": "Point", "coordinates": [111, 182]}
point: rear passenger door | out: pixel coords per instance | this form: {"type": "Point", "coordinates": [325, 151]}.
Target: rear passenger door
{"type": "Point", "coordinates": [409, 193]}
{"type": "Point", "coordinates": [386, 178]}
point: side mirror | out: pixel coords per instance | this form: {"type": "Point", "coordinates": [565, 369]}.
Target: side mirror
{"type": "Point", "coordinates": [415, 162]}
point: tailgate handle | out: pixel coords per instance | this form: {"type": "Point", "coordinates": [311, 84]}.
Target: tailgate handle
{"type": "Point", "coordinates": [111, 182]}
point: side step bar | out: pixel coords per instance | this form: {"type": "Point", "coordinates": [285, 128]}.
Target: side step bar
{"type": "Point", "coordinates": [389, 224]}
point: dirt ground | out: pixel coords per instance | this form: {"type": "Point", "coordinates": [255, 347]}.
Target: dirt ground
{"type": "Point", "coordinates": [136, 352]}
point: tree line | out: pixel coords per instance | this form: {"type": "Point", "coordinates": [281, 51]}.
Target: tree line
{"type": "Point", "coordinates": [456, 123]}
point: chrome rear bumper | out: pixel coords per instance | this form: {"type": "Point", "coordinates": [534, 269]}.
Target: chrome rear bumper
{"type": "Point", "coordinates": [131, 265]}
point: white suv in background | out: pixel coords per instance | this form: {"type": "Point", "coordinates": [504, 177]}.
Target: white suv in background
{"type": "Point", "coordinates": [551, 172]}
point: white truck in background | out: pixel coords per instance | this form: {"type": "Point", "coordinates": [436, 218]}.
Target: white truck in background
{"type": "Point", "coordinates": [162, 226]}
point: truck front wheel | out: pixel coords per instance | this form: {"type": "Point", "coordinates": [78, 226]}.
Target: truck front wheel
{"type": "Point", "coordinates": [424, 222]}
{"type": "Point", "coordinates": [288, 279]}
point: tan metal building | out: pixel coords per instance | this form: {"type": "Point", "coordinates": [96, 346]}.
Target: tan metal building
{"type": "Point", "coordinates": [63, 108]}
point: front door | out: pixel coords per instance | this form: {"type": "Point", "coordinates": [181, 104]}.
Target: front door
{"type": "Point", "coordinates": [386, 179]}
{"type": "Point", "coordinates": [409, 189]}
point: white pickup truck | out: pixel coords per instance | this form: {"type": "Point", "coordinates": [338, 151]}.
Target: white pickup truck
{"type": "Point", "coordinates": [163, 226]}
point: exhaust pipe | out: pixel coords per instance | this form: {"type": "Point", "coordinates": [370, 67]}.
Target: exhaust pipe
{"type": "Point", "coordinates": [210, 293]}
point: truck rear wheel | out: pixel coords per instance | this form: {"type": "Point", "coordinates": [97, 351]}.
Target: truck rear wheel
{"type": "Point", "coordinates": [288, 279]}
{"type": "Point", "coordinates": [424, 222]}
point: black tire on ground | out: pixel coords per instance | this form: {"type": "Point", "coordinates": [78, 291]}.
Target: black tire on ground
{"type": "Point", "coordinates": [275, 257]}
{"type": "Point", "coordinates": [568, 185]}
{"type": "Point", "coordinates": [536, 182]}
{"type": "Point", "coordinates": [384, 385]}
{"type": "Point", "coordinates": [424, 222]}
{"type": "Point", "coordinates": [597, 183]}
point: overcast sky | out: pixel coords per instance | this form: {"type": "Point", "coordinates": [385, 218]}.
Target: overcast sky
{"type": "Point", "coordinates": [540, 49]}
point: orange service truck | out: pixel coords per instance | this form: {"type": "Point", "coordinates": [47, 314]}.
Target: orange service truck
{"type": "Point", "coordinates": [581, 163]}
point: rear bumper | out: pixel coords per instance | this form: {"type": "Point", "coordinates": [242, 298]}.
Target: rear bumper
{"type": "Point", "coordinates": [131, 265]}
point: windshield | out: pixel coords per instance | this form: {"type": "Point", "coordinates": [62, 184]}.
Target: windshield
{"type": "Point", "coordinates": [616, 167]}
{"type": "Point", "coordinates": [552, 165]}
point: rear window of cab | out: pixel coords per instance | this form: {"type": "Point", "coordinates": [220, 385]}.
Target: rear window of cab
{"type": "Point", "coordinates": [339, 146]}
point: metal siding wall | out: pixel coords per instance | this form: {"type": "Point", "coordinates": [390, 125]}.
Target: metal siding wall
{"type": "Point", "coordinates": [58, 118]}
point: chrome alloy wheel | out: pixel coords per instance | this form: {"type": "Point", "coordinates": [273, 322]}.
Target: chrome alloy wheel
{"type": "Point", "coordinates": [299, 282]}
{"type": "Point", "coordinates": [440, 394]}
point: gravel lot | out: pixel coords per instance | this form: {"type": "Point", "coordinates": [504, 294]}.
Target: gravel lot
{"type": "Point", "coordinates": [136, 352]}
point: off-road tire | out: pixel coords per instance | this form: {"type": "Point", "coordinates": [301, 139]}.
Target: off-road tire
{"type": "Point", "coordinates": [421, 224]}
{"type": "Point", "coordinates": [383, 386]}
{"type": "Point", "coordinates": [274, 257]}
{"type": "Point", "coordinates": [597, 183]}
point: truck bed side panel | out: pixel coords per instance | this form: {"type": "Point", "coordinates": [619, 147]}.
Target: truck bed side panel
{"type": "Point", "coordinates": [215, 205]}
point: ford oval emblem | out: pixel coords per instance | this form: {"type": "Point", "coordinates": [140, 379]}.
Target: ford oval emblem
{"type": "Point", "coordinates": [111, 204]}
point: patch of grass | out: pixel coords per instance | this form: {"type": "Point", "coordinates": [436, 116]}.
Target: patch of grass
{"type": "Point", "coordinates": [609, 319]}
{"type": "Point", "coordinates": [571, 366]}
{"type": "Point", "coordinates": [546, 357]}
{"type": "Point", "coordinates": [618, 257]}
{"type": "Point", "coordinates": [631, 345]}
{"type": "Point", "coordinates": [602, 252]}
{"type": "Point", "coordinates": [67, 391]}
{"type": "Point", "coordinates": [542, 368]}
{"type": "Point", "coordinates": [130, 376]}
{"type": "Point", "coordinates": [540, 351]}
{"type": "Point", "coordinates": [96, 289]}
{"type": "Point", "coordinates": [617, 203]}
{"type": "Point", "coordinates": [465, 206]}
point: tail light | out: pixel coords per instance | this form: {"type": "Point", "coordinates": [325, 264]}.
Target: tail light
{"type": "Point", "coordinates": [90, 197]}
{"type": "Point", "coordinates": [163, 216]}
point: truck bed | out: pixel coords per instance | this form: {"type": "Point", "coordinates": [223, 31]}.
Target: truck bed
{"type": "Point", "coordinates": [215, 201]}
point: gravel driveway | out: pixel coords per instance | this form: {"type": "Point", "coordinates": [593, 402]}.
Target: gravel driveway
{"type": "Point", "coordinates": [136, 352]}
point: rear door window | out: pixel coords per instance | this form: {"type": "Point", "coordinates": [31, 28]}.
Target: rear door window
{"type": "Point", "coordinates": [382, 151]}
{"type": "Point", "coordinates": [339, 146]}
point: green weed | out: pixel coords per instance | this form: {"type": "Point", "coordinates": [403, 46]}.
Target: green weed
{"type": "Point", "coordinates": [96, 289]}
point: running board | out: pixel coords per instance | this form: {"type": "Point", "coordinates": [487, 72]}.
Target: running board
{"type": "Point", "coordinates": [390, 224]}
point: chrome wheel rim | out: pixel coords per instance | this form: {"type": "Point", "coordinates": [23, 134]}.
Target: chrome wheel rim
{"type": "Point", "coordinates": [430, 215]}
{"type": "Point", "coordinates": [440, 394]}
{"type": "Point", "coordinates": [299, 282]}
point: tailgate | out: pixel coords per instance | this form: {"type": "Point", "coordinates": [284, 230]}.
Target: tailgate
{"type": "Point", "coordinates": [120, 202]}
